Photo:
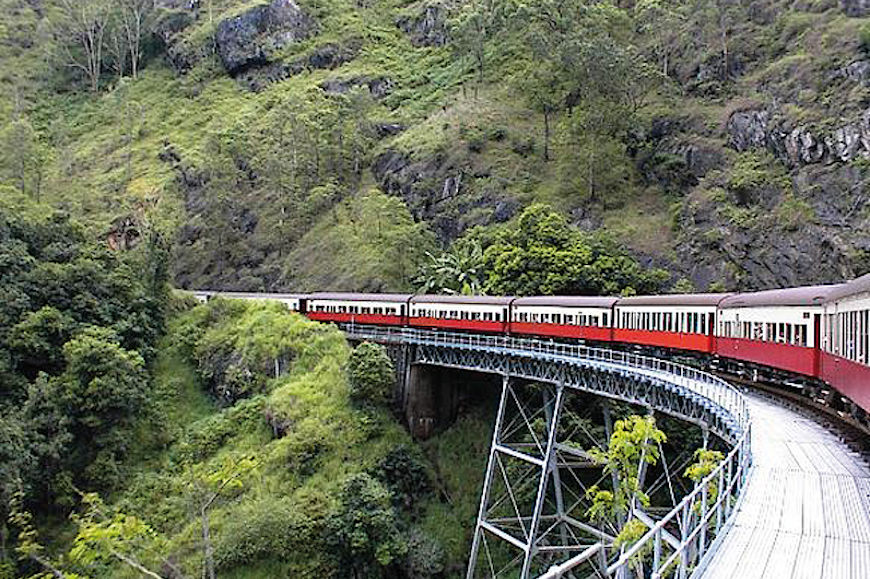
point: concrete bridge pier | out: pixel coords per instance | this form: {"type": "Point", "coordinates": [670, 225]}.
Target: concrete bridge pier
{"type": "Point", "coordinates": [427, 395]}
{"type": "Point", "coordinates": [431, 400]}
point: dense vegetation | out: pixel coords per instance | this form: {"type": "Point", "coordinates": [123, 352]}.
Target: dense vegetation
{"type": "Point", "coordinates": [258, 445]}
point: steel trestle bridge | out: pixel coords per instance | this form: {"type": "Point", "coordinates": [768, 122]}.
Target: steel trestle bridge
{"type": "Point", "coordinates": [526, 525]}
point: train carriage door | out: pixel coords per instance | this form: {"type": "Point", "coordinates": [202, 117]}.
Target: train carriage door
{"type": "Point", "coordinates": [711, 332]}
{"type": "Point", "coordinates": [504, 320]}
{"type": "Point", "coordinates": [817, 340]}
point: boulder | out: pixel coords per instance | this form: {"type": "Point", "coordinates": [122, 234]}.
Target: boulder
{"type": "Point", "coordinates": [247, 40]}
{"type": "Point", "coordinates": [385, 130]}
{"type": "Point", "coordinates": [857, 71]}
{"type": "Point", "coordinates": [379, 86]}
{"type": "Point", "coordinates": [856, 8]}
{"type": "Point", "coordinates": [427, 28]}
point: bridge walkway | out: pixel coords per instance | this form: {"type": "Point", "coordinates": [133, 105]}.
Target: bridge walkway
{"type": "Point", "coordinates": [806, 506]}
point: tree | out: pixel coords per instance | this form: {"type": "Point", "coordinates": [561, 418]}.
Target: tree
{"type": "Point", "coordinates": [23, 157]}
{"type": "Point", "coordinates": [544, 89]}
{"type": "Point", "coordinates": [28, 546]}
{"type": "Point", "coordinates": [634, 443]}
{"type": "Point", "coordinates": [472, 27]}
{"type": "Point", "coordinates": [457, 271]}
{"type": "Point", "coordinates": [134, 15]}
{"type": "Point", "coordinates": [364, 531]}
{"type": "Point", "coordinates": [106, 536]}
{"type": "Point", "coordinates": [80, 31]}
{"type": "Point", "coordinates": [370, 373]}
{"type": "Point", "coordinates": [102, 390]}
{"type": "Point", "coordinates": [662, 21]}
{"type": "Point", "coordinates": [540, 253]}
{"type": "Point", "coordinates": [207, 486]}
{"type": "Point", "coordinates": [706, 461]}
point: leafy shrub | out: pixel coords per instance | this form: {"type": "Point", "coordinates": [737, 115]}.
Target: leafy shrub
{"type": "Point", "coordinates": [363, 533]}
{"type": "Point", "coordinates": [425, 555]}
{"type": "Point", "coordinates": [371, 375]}
{"type": "Point", "coordinates": [403, 472]}
{"type": "Point", "coordinates": [208, 435]}
{"type": "Point", "coordinates": [273, 528]}
{"type": "Point", "coordinates": [864, 36]}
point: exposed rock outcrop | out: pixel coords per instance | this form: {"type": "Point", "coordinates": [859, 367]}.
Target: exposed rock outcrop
{"type": "Point", "coordinates": [379, 86]}
{"type": "Point", "coordinates": [125, 233]}
{"type": "Point", "coordinates": [328, 56]}
{"type": "Point", "coordinates": [857, 71]}
{"type": "Point", "coordinates": [856, 7]}
{"type": "Point", "coordinates": [173, 17]}
{"type": "Point", "coordinates": [427, 28]}
{"type": "Point", "coordinates": [436, 190]}
{"type": "Point", "coordinates": [767, 247]}
{"type": "Point", "coordinates": [247, 40]}
{"type": "Point", "coordinates": [799, 145]}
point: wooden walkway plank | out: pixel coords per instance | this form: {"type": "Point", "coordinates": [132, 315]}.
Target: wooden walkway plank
{"type": "Point", "coordinates": [783, 555]}
{"type": "Point", "coordinates": [806, 508]}
{"type": "Point", "coordinates": [810, 558]}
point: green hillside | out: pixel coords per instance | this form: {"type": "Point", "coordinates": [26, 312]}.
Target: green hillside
{"type": "Point", "coordinates": [332, 144]}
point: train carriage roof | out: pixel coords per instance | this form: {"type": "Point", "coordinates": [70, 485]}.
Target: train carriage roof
{"type": "Point", "coordinates": [674, 300]}
{"type": "Point", "coordinates": [457, 299]}
{"type": "Point", "coordinates": [352, 297]}
{"type": "Point", "coordinates": [567, 301]}
{"type": "Point", "coordinates": [859, 285]}
{"type": "Point", "coordinates": [797, 296]}
{"type": "Point", "coordinates": [254, 295]}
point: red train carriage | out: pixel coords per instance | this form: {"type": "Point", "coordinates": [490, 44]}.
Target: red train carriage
{"type": "Point", "coordinates": [379, 309]}
{"type": "Point", "coordinates": [582, 318]}
{"type": "Point", "coordinates": [845, 349]}
{"type": "Point", "coordinates": [295, 302]}
{"type": "Point", "coordinates": [776, 328]}
{"type": "Point", "coordinates": [469, 313]}
{"type": "Point", "coordinates": [683, 322]}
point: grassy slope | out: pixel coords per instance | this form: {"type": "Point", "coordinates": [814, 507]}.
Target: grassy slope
{"type": "Point", "coordinates": [327, 439]}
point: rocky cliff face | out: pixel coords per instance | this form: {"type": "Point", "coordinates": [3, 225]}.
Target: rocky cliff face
{"type": "Point", "coordinates": [801, 144]}
{"type": "Point", "coordinates": [247, 40]}
{"type": "Point", "coordinates": [428, 27]}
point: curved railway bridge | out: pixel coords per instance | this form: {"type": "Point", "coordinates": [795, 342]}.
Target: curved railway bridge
{"type": "Point", "coordinates": [789, 500]}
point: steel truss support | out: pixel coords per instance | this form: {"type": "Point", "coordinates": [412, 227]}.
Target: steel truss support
{"type": "Point", "coordinates": [531, 491]}
{"type": "Point", "coordinates": [525, 523]}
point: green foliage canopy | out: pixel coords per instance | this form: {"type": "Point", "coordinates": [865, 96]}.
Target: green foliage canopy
{"type": "Point", "coordinates": [371, 374]}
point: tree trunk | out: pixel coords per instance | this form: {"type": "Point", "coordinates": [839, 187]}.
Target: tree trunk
{"type": "Point", "coordinates": [208, 549]}
{"type": "Point", "coordinates": [546, 135]}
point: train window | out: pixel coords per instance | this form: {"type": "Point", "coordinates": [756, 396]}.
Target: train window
{"type": "Point", "coordinates": [557, 319]}
{"type": "Point", "coordinates": [866, 337]}
{"type": "Point", "coordinates": [604, 319]}
{"type": "Point", "coordinates": [788, 333]}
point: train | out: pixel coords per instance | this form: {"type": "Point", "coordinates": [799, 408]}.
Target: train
{"type": "Point", "coordinates": [809, 335]}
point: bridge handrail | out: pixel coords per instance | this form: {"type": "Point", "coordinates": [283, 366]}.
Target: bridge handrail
{"type": "Point", "coordinates": [694, 512]}
{"type": "Point", "coordinates": [713, 388]}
